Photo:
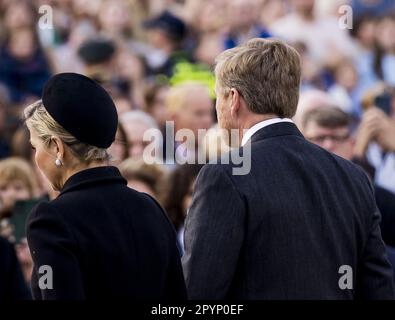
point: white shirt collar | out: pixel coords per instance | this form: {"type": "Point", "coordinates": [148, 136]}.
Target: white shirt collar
{"type": "Point", "coordinates": [247, 136]}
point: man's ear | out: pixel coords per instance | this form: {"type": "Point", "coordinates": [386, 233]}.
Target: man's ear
{"type": "Point", "coordinates": [234, 97]}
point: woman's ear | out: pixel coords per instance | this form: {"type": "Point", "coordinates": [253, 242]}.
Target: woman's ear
{"type": "Point", "coordinates": [58, 148]}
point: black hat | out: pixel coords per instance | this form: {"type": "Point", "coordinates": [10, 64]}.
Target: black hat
{"type": "Point", "coordinates": [82, 107]}
{"type": "Point", "coordinates": [94, 51]}
{"type": "Point", "coordinates": [173, 26]}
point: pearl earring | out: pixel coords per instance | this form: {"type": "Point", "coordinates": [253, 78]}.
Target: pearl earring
{"type": "Point", "coordinates": [58, 163]}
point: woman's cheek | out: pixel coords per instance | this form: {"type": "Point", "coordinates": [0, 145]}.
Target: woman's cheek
{"type": "Point", "coordinates": [37, 159]}
{"type": "Point", "coordinates": [41, 161]}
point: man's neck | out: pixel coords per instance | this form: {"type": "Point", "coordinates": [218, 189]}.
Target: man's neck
{"type": "Point", "coordinates": [253, 120]}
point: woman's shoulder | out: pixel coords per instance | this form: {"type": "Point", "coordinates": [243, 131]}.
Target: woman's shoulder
{"type": "Point", "coordinates": [42, 209]}
{"type": "Point", "coordinates": [51, 210]}
{"type": "Point", "coordinates": [46, 220]}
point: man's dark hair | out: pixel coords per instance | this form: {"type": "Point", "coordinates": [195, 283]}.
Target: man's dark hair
{"type": "Point", "coordinates": [327, 117]}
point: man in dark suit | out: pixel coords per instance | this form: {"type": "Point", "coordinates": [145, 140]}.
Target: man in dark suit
{"type": "Point", "coordinates": [302, 223]}
{"type": "Point", "coordinates": [331, 129]}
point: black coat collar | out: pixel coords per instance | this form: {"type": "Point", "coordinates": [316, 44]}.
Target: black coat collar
{"type": "Point", "coordinates": [276, 130]}
{"type": "Point", "coordinates": [95, 176]}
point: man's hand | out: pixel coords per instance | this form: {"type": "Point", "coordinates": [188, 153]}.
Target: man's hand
{"type": "Point", "coordinates": [369, 129]}
{"type": "Point", "coordinates": [386, 135]}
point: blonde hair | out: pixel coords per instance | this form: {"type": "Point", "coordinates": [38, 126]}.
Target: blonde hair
{"type": "Point", "coordinates": [151, 174]}
{"type": "Point", "coordinates": [37, 118]}
{"type": "Point", "coordinates": [13, 169]}
{"type": "Point", "coordinates": [265, 72]}
{"type": "Point", "coordinates": [178, 95]}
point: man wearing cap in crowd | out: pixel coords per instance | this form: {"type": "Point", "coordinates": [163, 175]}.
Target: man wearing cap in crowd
{"type": "Point", "coordinates": [97, 55]}
{"type": "Point", "coordinates": [166, 33]}
{"type": "Point", "coordinates": [98, 239]}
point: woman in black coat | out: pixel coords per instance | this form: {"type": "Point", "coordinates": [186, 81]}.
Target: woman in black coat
{"type": "Point", "coordinates": [98, 239]}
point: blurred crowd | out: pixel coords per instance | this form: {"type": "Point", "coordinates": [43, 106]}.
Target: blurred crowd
{"type": "Point", "coordinates": [155, 58]}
